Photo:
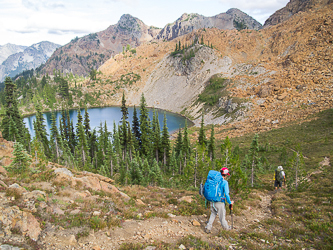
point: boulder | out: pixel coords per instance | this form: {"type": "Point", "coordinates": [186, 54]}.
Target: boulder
{"type": "Point", "coordinates": [3, 171]}
{"type": "Point", "coordinates": [139, 202]}
{"type": "Point", "coordinates": [264, 91]}
{"type": "Point", "coordinates": [186, 198]}
{"type": "Point", "coordinates": [34, 195]}
{"type": "Point", "coordinates": [106, 187]}
{"type": "Point", "coordinates": [57, 211]}
{"type": "Point", "coordinates": [72, 241]}
{"type": "Point", "coordinates": [196, 223]}
{"type": "Point", "coordinates": [26, 223]}
{"type": "Point", "coordinates": [18, 187]}
{"type": "Point", "coordinates": [64, 171]}
{"type": "Point", "coordinates": [76, 211]}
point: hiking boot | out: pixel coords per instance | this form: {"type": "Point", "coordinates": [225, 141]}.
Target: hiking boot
{"type": "Point", "coordinates": [207, 231]}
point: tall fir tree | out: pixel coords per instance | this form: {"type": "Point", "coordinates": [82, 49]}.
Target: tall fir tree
{"type": "Point", "coordinates": [124, 128]}
{"type": "Point", "coordinates": [186, 142]}
{"type": "Point", "coordinates": [12, 112]}
{"type": "Point", "coordinates": [55, 139]}
{"type": "Point", "coordinates": [21, 159]}
{"type": "Point", "coordinates": [179, 143]}
{"type": "Point", "coordinates": [40, 131]}
{"type": "Point", "coordinates": [254, 157]}
{"type": "Point", "coordinates": [86, 122]}
{"type": "Point", "coordinates": [165, 141]}
{"type": "Point", "coordinates": [136, 130]}
{"type": "Point", "coordinates": [211, 145]}
{"type": "Point", "coordinates": [202, 135]}
{"type": "Point", "coordinates": [156, 136]}
{"type": "Point", "coordinates": [79, 122]}
{"type": "Point", "coordinates": [144, 127]}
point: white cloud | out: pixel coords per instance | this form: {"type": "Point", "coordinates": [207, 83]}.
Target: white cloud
{"type": "Point", "coordinates": [30, 21]}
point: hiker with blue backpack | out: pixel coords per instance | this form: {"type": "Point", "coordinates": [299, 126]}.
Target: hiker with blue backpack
{"type": "Point", "coordinates": [216, 190]}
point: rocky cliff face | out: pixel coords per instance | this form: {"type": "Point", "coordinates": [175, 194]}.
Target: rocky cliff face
{"type": "Point", "coordinates": [9, 49]}
{"type": "Point", "coordinates": [82, 55]}
{"type": "Point", "coordinates": [30, 58]}
{"type": "Point", "coordinates": [232, 19]}
{"type": "Point", "coordinates": [293, 7]}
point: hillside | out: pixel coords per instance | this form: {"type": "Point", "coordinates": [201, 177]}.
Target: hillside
{"type": "Point", "coordinates": [292, 8]}
{"type": "Point", "coordinates": [49, 206]}
{"type": "Point", "coordinates": [275, 75]}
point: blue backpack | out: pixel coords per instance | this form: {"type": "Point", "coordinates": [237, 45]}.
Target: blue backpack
{"type": "Point", "coordinates": [212, 188]}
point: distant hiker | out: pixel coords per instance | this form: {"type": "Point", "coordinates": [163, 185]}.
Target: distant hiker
{"type": "Point", "coordinates": [279, 177]}
{"type": "Point", "coordinates": [216, 190]}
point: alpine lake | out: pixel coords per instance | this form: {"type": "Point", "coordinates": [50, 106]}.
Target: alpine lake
{"type": "Point", "coordinates": [110, 115]}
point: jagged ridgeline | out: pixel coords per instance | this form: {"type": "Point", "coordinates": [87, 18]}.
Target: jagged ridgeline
{"type": "Point", "coordinates": [83, 54]}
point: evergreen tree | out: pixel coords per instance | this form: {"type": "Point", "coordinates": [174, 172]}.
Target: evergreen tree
{"type": "Point", "coordinates": [55, 139]}
{"type": "Point", "coordinates": [93, 147]}
{"type": "Point", "coordinates": [13, 132]}
{"type": "Point", "coordinates": [226, 152]}
{"type": "Point", "coordinates": [165, 144]}
{"type": "Point", "coordinates": [136, 130]}
{"type": "Point", "coordinates": [72, 139]}
{"type": "Point", "coordinates": [186, 142]}
{"type": "Point", "coordinates": [21, 159]}
{"type": "Point", "coordinates": [296, 165]}
{"type": "Point", "coordinates": [82, 148]}
{"type": "Point", "coordinates": [156, 137]}
{"type": "Point", "coordinates": [179, 143]}
{"type": "Point", "coordinates": [40, 131]}
{"type": "Point", "coordinates": [79, 121]}
{"type": "Point", "coordinates": [254, 149]}
{"type": "Point", "coordinates": [86, 122]}
{"type": "Point", "coordinates": [211, 145]}
{"type": "Point", "coordinates": [202, 135]}
{"type": "Point", "coordinates": [124, 128]}
{"type": "Point", "coordinates": [12, 112]}
{"type": "Point", "coordinates": [65, 123]}
{"type": "Point", "coordinates": [144, 127]}
{"type": "Point", "coordinates": [43, 82]}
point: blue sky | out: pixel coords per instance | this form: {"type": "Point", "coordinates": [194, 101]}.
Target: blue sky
{"type": "Point", "coordinates": [25, 22]}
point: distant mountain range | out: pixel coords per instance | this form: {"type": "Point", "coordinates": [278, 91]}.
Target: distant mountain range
{"type": "Point", "coordinates": [82, 55]}
{"type": "Point", "coordinates": [15, 59]}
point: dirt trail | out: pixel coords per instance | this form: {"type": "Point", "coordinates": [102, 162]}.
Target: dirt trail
{"type": "Point", "coordinates": [168, 230]}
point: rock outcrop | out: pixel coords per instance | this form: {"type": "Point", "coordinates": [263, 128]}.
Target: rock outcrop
{"type": "Point", "coordinates": [293, 7]}
{"type": "Point", "coordinates": [232, 19]}
{"type": "Point", "coordinates": [12, 218]}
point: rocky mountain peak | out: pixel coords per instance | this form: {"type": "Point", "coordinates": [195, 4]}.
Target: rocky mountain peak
{"type": "Point", "coordinates": [9, 49]}
{"type": "Point", "coordinates": [232, 19]}
{"type": "Point", "coordinates": [130, 23]}
{"type": "Point", "coordinates": [29, 58]}
{"type": "Point", "coordinates": [292, 8]}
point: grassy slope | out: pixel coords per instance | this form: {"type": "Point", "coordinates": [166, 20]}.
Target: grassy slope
{"type": "Point", "coordinates": [301, 218]}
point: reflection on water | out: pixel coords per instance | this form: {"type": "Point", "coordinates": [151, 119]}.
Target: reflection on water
{"type": "Point", "coordinates": [108, 115]}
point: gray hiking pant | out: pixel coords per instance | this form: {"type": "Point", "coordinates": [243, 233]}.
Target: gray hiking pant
{"type": "Point", "coordinates": [220, 210]}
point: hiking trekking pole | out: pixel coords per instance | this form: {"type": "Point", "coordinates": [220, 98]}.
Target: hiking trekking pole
{"type": "Point", "coordinates": [232, 217]}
